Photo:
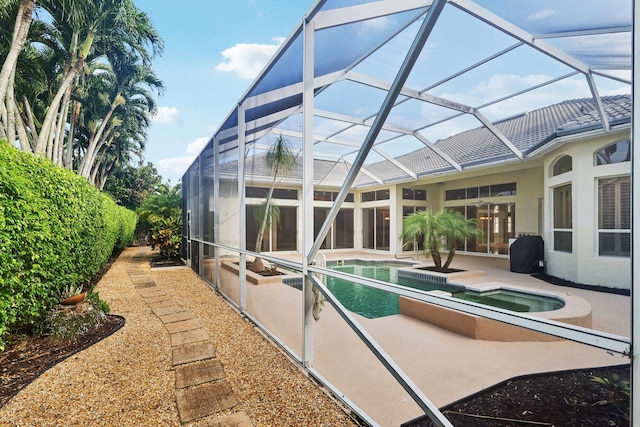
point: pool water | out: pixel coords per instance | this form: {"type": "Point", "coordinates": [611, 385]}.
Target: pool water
{"type": "Point", "coordinates": [373, 303]}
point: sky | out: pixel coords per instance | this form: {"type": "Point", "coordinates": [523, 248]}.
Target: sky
{"type": "Point", "coordinates": [213, 51]}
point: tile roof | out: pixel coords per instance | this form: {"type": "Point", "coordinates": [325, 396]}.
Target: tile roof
{"type": "Point", "coordinates": [527, 132]}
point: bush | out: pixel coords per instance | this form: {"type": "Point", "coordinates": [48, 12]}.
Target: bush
{"type": "Point", "coordinates": [56, 230]}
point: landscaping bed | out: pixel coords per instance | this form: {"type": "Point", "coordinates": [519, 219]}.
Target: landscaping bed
{"type": "Point", "coordinates": [568, 398]}
{"type": "Point", "coordinates": [24, 361]}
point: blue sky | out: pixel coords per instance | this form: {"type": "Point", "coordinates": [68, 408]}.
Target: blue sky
{"type": "Point", "coordinates": [213, 51]}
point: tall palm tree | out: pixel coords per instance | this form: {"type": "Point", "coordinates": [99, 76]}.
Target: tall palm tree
{"type": "Point", "coordinates": [81, 71]}
{"type": "Point", "coordinates": [21, 26]}
{"type": "Point", "coordinates": [280, 159]}
{"type": "Point", "coordinates": [99, 25]}
{"type": "Point", "coordinates": [439, 230]}
{"type": "Point", "coordinates": [128, 86]}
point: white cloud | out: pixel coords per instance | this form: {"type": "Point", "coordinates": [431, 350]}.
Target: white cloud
{"type": "Point", "coordinates": [175, 164]}
{"type": "Point", "coordinates": [194, 148]}
{"type": "Point", "coordinates": [180, 164]}
{"type": "Point", "coordinates": [246, 60]}
{"type": "Point", "coordinates": [495, 87]}
{"type": "Point", "coordinates": [166, 116]}
{"type": "Point", "coordinates": [541, 14]}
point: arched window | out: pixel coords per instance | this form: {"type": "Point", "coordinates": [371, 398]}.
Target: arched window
{"type": "Point", "coordinates": [617, 152]}
{"type": "Point", "coordinates": [562, 165]}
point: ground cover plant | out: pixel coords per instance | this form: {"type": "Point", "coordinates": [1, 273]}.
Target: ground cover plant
{"type": "Point", "coordinates": [56, 231]}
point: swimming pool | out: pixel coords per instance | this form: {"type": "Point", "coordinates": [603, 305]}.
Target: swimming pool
{"type": "Point", "coordinates": [373, 303]}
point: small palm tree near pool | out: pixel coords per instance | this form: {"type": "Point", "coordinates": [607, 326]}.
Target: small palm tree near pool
{"type": "Point", "coordinates": [447, 227]}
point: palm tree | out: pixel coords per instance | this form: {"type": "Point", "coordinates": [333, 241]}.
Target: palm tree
{"type": "Point", "coordinates": [161, 217]}
{"type": "Point", "coordinates": [439, 229]}
{"type": "Point", "coordinates": [81, 76]}
{"type": "Point", "coordinates": [280, 159]}
{"type": "Point", "coordinates": [99, 26]}
{"type": "Point", "coordinates": [19, 37]}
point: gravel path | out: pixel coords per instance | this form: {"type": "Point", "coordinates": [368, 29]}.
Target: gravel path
{"type": "Point", "coordinates": [128, 380]}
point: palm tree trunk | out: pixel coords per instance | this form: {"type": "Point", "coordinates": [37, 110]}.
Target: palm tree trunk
{"type": "Point", "coordinates": [32, 125]}
{"type": "Point", "coordinates": [67, 81]}
{"type": "Point", "coordinates": [452, 253]}
{"type": "Point", "coordinates": [58, 142]}
{"type": "Point", "coordinates": [11, 111]}
{"type": "Point", "coordinates": [23, 136]}
{"type": "Point", "coordinates": [92, 150]}
{"type": "Point", "coordinates": [68, 155]}
{"type": "Point", "coordinates": [20, 32]}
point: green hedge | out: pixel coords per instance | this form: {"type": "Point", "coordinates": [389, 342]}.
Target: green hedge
{"type": "Point", "coordinates": [56, 229]}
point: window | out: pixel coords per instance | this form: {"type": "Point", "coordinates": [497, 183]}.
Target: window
{"type": "Point", "coordinates": [614, 216]}
{"type": "Point", "coordinates": [340, 235]}
{"type": "Point", "coordinates": [495, 190]}
{"type": "Point", "coordinates": [497, 223]}
{"type": "Point", "coordinates": [406, 211]}
{"type": "Point", "coordinates": [617, 152]}
{"type": "Point", "coordinates": [562, 165]}
{"type": "Point", "coordinates": [562, 219]}
{"type": "Point", "coordinates": [376, 228]}
{"type": "Point", "coordinates": [414, 194]}
{"type": "Point", "coordinates": [282, 237]}
{"type": "Point", "coordinates": [371, 196]}
{"type": "Point", "coordinates": [278, 193]}
{"type": "Point", "coordinates": [459, 194]}
{"type": "Point", "coordinates": [329, 196]}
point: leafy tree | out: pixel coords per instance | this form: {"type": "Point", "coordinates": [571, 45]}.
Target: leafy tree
{"type": "Point", "coordinates": [131, 185]}
{"type": "Point", "coordinates": [438, 229]}
{"type": "Point", "coordinates": [280, 159]}
{"type": "Point", "coordinates": [161, 218]}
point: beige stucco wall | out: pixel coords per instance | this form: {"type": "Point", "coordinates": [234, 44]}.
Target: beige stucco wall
{"type": "Point", "coordinates": [584, 264]}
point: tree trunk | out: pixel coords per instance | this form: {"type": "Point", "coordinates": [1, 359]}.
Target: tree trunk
{"type": "Point", "coordinates": [452, 253]}
{"type": "Point", "coordinates": [258, 265]}
{"type": "Point", "coordinates": [92, 149]}
{"type": "Point", "coordinates": [67, 81]}
{"type": "Point", "coordinates": [58, 142]}
{"type": "Point", "coordinates": [68, 155]}
{"type": "Point", "coordinates": [25, 144]}
{"type": "Point", "coordinates": [11, 111]}
{"type": "Point", "coordinates": [33, 133]}
{"type": "Point", "coordinates": [437, 259]}
{"type": "Point", "coordinates": [20, 32]}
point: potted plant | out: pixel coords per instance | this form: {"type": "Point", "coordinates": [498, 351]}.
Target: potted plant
{"type": "Point", "coordinates": [72, 295]}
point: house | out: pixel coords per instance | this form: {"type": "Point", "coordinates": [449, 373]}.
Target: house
{"type": "Point", "coordinates": [572, 188]}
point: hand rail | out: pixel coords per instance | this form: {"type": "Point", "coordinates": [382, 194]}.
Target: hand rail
{"type": "Point", "coordinates": [415, 258]}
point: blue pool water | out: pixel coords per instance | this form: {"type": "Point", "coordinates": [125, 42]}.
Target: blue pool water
{"type": "Point", "coordinates": [373, 303]}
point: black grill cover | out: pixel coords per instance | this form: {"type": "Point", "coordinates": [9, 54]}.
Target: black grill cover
{"type": "Point", "coordinates": [525, 255]}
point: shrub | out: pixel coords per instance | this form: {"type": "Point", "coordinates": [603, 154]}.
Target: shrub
{"type": "Point", "coordinates": [56, 230]}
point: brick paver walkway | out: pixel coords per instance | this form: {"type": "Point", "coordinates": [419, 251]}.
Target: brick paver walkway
{"type": "Point", "coordinates": [201, 388]}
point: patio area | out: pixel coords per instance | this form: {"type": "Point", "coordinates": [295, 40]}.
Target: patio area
{"type": "Point", "coordinates": [426, 352]}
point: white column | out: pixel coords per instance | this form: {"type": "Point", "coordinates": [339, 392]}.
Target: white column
{"type": "Point", "coordinates": [216, 207]}
{"type": "Point", "coordinates": [242, 211]}
{"type": "Point", "coordinates": [307, 190]}
{"type": "Point", "coordinates": [635, 226]}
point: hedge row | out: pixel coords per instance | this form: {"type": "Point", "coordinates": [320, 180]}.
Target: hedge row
{"type": "Point", "coordinates": [56, 230]}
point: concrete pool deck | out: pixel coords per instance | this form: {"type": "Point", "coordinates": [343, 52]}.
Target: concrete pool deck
{"type": "Point", "coordinates": [445, 365]}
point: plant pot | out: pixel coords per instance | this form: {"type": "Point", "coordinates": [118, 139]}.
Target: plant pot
{"type": "Point", "coordinates": [74, 299]}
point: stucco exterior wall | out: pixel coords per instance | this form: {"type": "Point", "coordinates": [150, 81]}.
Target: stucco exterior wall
{"type": "Point", "coordinates": [584, 264]}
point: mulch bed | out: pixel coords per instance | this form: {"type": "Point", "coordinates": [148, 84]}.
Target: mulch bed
{"type": "Point", "coordinates": [28, 356]}
{"type": "Point", "coordinates": [24, 361]}
{"type": "Point", "coordinates": [568, 398]}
